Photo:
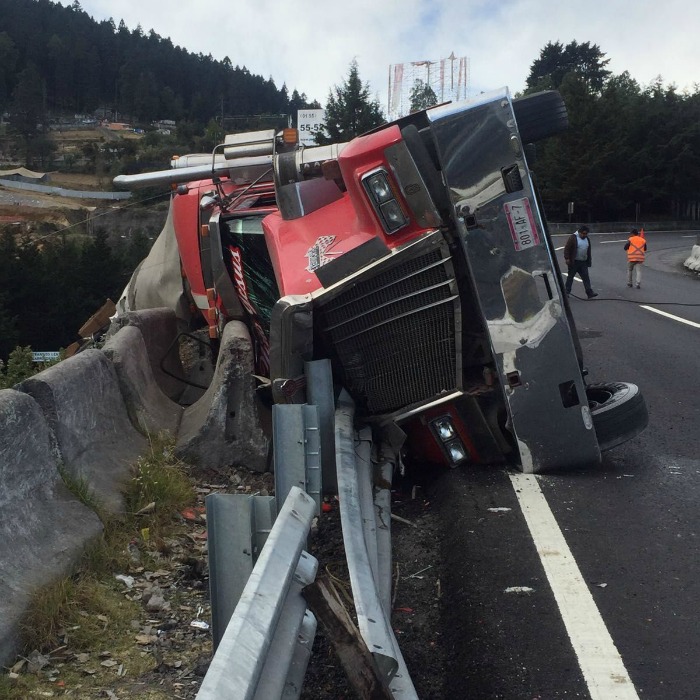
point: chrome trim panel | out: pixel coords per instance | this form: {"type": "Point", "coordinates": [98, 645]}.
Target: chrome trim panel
{"type": "Point", "coordinates": [412, 185]}
{"type": "Point", "coordinates": [291, 337]}
{"type": "Point", "coordinates": [508, 258]}
{"type": "Point", "coordinates": [411, 411]}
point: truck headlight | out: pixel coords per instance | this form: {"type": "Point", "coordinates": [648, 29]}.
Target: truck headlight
{"type": "Point", "coordinates": [444, 429]}
{"type": "Point", "coordinates": [392, 215]}
{"type": "Point", "coordinates": [384, 201]}
{"type": "Point", "coordinates": [456, 451]}
{"type": "Point", "coordinates": [378, 187]}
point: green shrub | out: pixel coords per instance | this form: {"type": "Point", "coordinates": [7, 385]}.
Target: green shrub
{"type": "Point", "coordinates": [20, 366]}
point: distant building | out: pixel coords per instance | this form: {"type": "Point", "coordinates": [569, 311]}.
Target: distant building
{"type": "Point", "coordinates": [23, 175]}
{"type": "Point", "coordinates": [166, 124]}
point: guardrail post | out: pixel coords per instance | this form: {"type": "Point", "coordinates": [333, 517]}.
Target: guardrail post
{"type": "Point", "coordinates": [265, 609]}
{"type": "Point", "coordinates": [320, 393]}
{"type": "Point", "coordinates": [237, 528]}
{"type": "Point", "coordinates": [297, 451]}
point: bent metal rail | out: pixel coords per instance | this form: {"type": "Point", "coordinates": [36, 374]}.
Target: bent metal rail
{"type": "Point", "coordinates": [264, 651]}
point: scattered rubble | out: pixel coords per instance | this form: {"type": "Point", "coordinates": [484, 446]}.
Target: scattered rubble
{"type": "Point", "coordinates": [166, 649]}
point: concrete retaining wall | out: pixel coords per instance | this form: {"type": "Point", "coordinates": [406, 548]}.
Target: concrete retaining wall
{"type": "Point", "coordinates": [85, 416]}
{"type": "Point", "coordinates": [149, 409]}
{"type": "Point", "coordinates": [83, 405]}
{"type": "Point", "coordinates": [159, 328]}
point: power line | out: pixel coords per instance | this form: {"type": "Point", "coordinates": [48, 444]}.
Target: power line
{"type": "Point", "coordinates": [113, 210]}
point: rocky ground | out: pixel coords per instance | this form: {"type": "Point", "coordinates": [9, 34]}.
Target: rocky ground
{"type": "Point", "coordinates": [165, 648]}
{"type": "Point", "coordinates": [157, 645]}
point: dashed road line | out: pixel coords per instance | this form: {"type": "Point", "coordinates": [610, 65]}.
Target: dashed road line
{"type": "Point", "coordinates": [601, 664]}
{"type": "Point", "coordinates": [668, 315]}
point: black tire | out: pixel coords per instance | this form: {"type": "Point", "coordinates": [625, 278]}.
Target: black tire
{"type": "Point", "coordinates": [540, 115]}
{"type": "Point", "coordinates": [619, 412]}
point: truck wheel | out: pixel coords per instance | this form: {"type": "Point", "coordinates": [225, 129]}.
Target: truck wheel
{"type": "Point", "coordinates": [540, 115]}
{"type": "Point", "coordinates": [619, 412]}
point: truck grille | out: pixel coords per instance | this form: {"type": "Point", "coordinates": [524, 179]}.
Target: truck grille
{"type": "Point", "coordinates": [394, 334]}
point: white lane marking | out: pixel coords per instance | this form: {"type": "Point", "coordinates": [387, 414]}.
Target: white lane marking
{"type": "Point", "coordinates": [622, 240]}
{"type": "Point", "coordinates": [675, 318]}
{"type": "Point", "coordinates": [599, 659]}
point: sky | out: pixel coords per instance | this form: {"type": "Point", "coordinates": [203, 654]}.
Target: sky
{"type": "Point", "coordinates": [308, 44]}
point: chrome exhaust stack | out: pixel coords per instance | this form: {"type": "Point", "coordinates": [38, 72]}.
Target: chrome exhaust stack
{"type": "Point", "coordinates": [243, 158]}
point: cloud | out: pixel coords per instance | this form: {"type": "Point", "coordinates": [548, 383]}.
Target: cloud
{"type": "Point", "coordinates": [308, 44]}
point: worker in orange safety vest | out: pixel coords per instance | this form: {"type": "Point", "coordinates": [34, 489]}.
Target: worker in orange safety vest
{"type": "Point", "coordinates": [636, 248]}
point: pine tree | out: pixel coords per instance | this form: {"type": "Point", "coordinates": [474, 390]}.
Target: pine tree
{"type": "Point", "coordinates": [27, 102]}
{"type": "Point", "coordinates": [349, 110]}
{"type": "Point", "coordinates": [422, 96]}
{"type": "Point", "coordinates": [556, 61]}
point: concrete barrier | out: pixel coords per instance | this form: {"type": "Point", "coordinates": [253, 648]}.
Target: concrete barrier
{"type": "Point", "coordinates": [693, 261]}
{"type": "Point", "coordinates": [159, 328]}
{"type": "Point", "coordinates": [149, 409]}
{"type": "Point", "coordinates": [83, 405]}
{"type": "Point", "coordinates": [223, 428]}
{"type": "Point", "coordinates": [76, 415]}
{"type": "Point", "coordinates": [43, 528]}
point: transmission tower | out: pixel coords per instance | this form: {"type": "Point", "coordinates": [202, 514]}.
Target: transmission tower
{"type": "Point", "coordinates": [448, 78]}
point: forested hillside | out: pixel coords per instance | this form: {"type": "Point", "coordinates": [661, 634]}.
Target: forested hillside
{"type": "Point", "coordinates": [631, 152]}
{"type": "Point", "coordinates": [51, 287]}
{"type": "Point", "coordinates": [84, 66]}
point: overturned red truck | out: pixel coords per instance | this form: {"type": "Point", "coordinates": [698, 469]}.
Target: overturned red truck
{"type": "Point", "coordinates": [415, 258]}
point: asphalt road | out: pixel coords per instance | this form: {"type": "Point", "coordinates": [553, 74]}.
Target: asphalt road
{"type": "Point", "coordinates": [619, 619]}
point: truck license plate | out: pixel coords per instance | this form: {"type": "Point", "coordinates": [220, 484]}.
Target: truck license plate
{"type": "Point", "coordinates": [522, 224]}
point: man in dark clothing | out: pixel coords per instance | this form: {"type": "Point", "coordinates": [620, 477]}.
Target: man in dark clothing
{"type": "Point", "coordinates": [577, 255]}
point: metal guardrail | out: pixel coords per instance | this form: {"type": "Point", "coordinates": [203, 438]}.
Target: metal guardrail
{"type": "Point", "coordinates": [368, 565]}
{"type": "Point", "coordinates": [297, 451]}
{"type": "Point", "coordinates": [63, 192]}
{"type": "Point", "coordinates": [560, 228]}
{"type": "Point", "coordinates": [266, 646]}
